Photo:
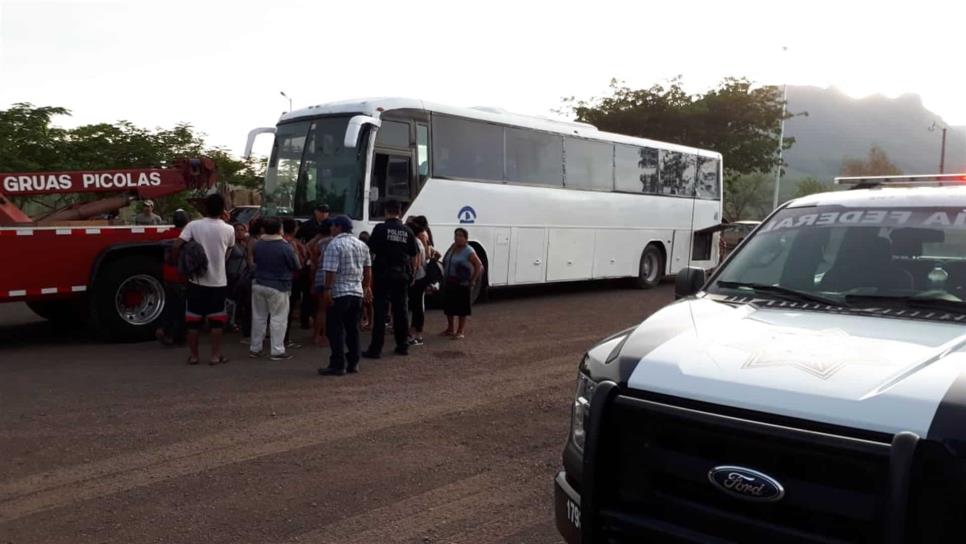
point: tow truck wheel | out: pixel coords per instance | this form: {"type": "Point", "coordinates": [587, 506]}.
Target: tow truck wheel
{"type": "Point", "coordinates": [128, 298]}
{"type": "Point", "coordinates": [651, 268]}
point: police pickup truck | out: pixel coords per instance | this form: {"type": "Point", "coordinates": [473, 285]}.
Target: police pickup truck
{"type": "Point", "coordinates": [813, 389]}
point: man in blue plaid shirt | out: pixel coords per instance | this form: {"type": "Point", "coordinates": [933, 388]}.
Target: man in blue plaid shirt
{"type": "Point", "coordinates": [348, 281]}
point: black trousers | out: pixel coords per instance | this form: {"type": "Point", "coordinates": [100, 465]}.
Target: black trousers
{"type": "Point", "coordinates": [392, 291]}
{"type": "Point", "coordinates": [342, 328]}
{"type": "Point", "coordinates": [417, 304]}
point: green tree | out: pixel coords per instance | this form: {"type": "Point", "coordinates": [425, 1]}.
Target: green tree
{"type": "Point", "coordinates": [30, 142]}
{"type": "Point", "coordinates": [810, 186]}
{"type": "Point", "coordinates": [875, 163]}
{"type": "Point", "coordinates": [737, 119]}
{"type": "Point", "coordinates": [748, 197]}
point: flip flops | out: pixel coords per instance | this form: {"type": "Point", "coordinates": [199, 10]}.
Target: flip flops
{"type": "Point", "coordinates": [221, 361]}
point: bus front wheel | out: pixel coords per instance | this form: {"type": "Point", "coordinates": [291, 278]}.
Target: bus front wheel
{"type": "Point", "coordinates": [478, 294]}
{"type": "Point", "coordinates": [651, 269]}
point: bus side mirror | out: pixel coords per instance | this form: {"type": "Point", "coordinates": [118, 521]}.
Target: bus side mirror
{"type": "Point", "coordinates": [688, 282]}
{"type": "Point", "coordinates": [251, 139]}
{"type": "Point", "coordinates": [355, 126]}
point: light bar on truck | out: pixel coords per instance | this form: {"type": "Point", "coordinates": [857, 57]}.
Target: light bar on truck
{"type": "Point", "coordinates": [928, 180]}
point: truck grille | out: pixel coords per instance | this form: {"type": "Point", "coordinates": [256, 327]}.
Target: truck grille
{"type": "Point", "coordinates": [652, 479]}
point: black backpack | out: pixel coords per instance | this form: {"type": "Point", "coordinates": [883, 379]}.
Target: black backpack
{"type": "Point", "coordinates": [192, 261]}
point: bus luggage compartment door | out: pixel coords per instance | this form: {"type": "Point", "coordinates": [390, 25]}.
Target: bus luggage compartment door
{"type": "Point", "coordinates": [529, 249]}
{"type": "Point", "coordinates": [570, 254]}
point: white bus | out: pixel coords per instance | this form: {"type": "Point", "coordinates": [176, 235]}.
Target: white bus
{"type": "Point", "coordinates": [543, 200]}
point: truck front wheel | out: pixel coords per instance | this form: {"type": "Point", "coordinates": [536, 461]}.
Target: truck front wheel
{"type": "Point", "coordinates": [127, 299]}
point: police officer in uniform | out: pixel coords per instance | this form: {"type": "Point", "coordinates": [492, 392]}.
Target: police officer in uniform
{"type": "Point", "coordinates": [395, 250]}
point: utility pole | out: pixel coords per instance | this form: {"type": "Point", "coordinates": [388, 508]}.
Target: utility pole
{"type": "Point", "coordinates": [781, 140]}
{"type": "Point", "coordinates": [942, 149]}
{"type": "Point", "coordinates": [289, 100]}
{"type": "Point", "coordinates": [942, 154]}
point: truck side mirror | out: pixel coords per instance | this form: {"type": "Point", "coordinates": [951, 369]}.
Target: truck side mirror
{"type": "Point", "coordinates": [355, 126]}
{"type": "Point", "coordinates": [688, 282]}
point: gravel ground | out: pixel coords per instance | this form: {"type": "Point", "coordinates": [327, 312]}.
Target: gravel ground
{"type": "Point", "coordinates": [459, 442]}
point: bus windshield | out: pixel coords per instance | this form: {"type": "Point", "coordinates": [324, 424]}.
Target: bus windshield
{"type": "Point", "coordinates": [309, 166]}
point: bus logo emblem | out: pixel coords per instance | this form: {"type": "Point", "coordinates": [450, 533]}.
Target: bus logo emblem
{"type": "Point", "coordinates": [467, 215]}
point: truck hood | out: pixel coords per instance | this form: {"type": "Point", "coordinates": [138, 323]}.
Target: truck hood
{"type": "Point", "coordinates": [873, 373]}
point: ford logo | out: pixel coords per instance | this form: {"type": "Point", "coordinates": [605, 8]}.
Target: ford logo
{"type": "Point", "coordinates": [747, 484]}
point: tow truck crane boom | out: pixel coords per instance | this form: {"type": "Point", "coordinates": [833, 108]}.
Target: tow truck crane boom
{"type": "Point", "coordinates": [137, 183]}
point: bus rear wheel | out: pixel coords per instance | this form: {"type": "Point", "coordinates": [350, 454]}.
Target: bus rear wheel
{"type": "Point", "coordinates": [651, 269]}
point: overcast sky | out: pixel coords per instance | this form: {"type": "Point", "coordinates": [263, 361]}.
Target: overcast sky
{"type": "Point", "coordinates": [221, 66]}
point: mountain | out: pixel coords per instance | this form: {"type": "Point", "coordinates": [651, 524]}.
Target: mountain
{"type": "Point", "coordinates": [839, 127]}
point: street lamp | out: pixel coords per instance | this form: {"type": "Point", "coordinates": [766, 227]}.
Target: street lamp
{"type": "Point", "coordinates": [289, 100]}
{"type": "Point", "coordinates": [781, 137]}
{"type": "Point", "coordinates": [942, 150]}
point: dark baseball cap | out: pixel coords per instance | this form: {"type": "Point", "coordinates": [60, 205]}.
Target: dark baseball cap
{"type": "Point", "coordinates": [342, 222]}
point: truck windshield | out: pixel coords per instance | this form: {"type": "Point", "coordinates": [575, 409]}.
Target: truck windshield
{"type": "Point", "coordinates": [310, 166]}
{"type": "Point", "coordinates": [855, 255]}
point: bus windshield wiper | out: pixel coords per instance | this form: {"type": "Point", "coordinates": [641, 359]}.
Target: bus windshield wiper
{"type": "Point", "coordinates": [913, 301]}
{"type": "Point", "coordinates": [783, 292]}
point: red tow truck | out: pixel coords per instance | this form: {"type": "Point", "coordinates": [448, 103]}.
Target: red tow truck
{"type": "Point", "coordinates": [68, 266]}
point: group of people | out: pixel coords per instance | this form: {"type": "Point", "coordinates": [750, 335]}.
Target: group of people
{"type": "Point", "coordinates": [339, 283]}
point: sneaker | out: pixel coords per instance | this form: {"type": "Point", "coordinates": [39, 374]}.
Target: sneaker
{"type": "Point", "coordinates": [254, 354]}
{"type": "Point", "coordinates": [293, 345]}
{"type": "Point", "coordinates": [416, 341]}
{"type": "Point", "coordinates": [282, 357]}
{"type": "Point", "coordinates": [371, 355]}
{"type": "Point", "coordinates": [331, 372]}
{"type": "Point", "coordinates": [353, 370]}
{"type": "Point", "coordinates": [401, 351]}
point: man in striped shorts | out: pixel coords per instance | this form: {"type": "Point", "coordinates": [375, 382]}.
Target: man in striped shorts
{"type": "Point", "coordinates": [207, 292]}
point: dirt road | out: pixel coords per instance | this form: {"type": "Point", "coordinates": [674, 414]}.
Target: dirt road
{"type": "Point", "coordinates": [458, 442]}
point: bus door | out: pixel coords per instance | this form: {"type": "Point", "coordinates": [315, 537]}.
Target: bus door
{"type": "Point", "coordinates": [393, 167]}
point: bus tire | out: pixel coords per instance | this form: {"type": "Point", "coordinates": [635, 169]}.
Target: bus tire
{"type": "Point", "coordinates": [651, 269]}
{"type": "Point", "coordinates": [127, 300]}
{"type": "Point", "coordinates": [479, 291]}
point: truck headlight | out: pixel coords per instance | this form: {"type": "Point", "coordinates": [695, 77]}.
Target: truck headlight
{"type": "Point", "coordinates": [581, 410]}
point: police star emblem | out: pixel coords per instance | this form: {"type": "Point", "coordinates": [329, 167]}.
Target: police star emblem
{"type": "Point", "coordinates": [819, 353]}
{"type": "Point", "coordinates": [820, 369]}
